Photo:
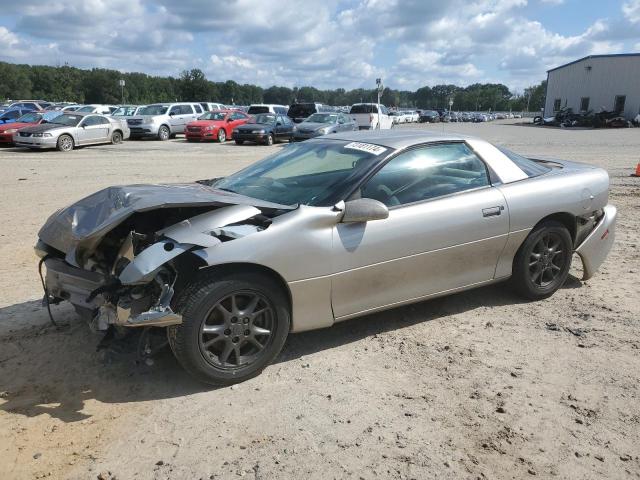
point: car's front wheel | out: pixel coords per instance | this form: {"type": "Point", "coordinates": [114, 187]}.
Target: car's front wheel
{"type": "Point", "coordinates": [164, 133]}
{"type": "Point", "coordinates": [222, 135]}
{"type": "Point", "coordinates": [542, 263]}
{"type": "Point", "coordinates": [232, 327]}
{"type": "Point", "coordinates": [65, 143]}
{"type": "Point", "coordinates": [269, 140]}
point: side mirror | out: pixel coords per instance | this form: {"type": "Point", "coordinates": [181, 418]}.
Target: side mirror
{"type": "Point", "coordinates": [364, 210]}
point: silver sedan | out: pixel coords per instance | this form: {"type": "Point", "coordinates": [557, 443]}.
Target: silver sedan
{"type": "Point", "coordinates": [323, 124]}
{"type": "Point", "coordinates": [324, 230]}
{"type": "Point", "coordinates": [71, 130]}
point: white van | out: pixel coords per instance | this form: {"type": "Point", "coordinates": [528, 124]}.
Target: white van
{"type": "Point", "coordinates": [256, 108]}
{"type": "Point", "coordinates": [367, 117]}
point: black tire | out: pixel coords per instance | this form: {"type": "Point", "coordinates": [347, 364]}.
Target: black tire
{"type": "Point", "coordinates": [65, 143]}
{"type": "Point", "coordinates": [164, 133]}
{"type": "Point", "coordinates": [222, 135]}
{"type": "Point", "coordinates": [269, 140]}
{"type": "Point", "coordinates": [199, 305]}
{"type": "Point", "coordinates": [116, 138]}
{"type": "Point", "coordinates": [239, 142]}
{"type": "Point", "coordinates": [542, 263]}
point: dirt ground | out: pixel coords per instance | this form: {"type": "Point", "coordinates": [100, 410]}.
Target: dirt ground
{"type": "Point", "coordinates": [475, 385]}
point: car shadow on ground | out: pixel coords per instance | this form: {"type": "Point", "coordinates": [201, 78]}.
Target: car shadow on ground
{"type": "Point", "coordinates": [55, 371]}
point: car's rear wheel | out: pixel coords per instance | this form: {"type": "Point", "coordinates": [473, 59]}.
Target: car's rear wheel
{"type": "Point", "coordinates": [116, 138]}
{"type": "Point", "coordinates": [269, 139]}
{"type": "Point", "coordinates": [542, 263]}
{"type": "Point", "coordinates": [65, 143]}
{"type": "Point", "coordinates": [232, 327]}
{"type": "Point", "coordinates": [222, 135]}
{"type": "Point", "coordinates": [164, 133]}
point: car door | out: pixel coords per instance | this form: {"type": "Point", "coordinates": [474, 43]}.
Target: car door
{"type": "Point", "coordinates": [235, 120]}
{"type": "Point", "coordinates": [446, 229]}
{"type": "Point", "coordinates": [90, 130]}
{"type": "Point", "coordinates": [280, 127]}
{"type": "Point", "coordinates": [176, 120]}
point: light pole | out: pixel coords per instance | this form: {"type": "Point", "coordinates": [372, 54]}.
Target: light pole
{"type": "Point", "coordinates": [380, 87]}
{"type": "Point", "coordinates": [122, 83]}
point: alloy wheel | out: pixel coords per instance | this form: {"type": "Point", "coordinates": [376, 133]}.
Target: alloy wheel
{"type": "Point", "coordinates": [546, 260]}
{"type": "Point", "coordinates": [237, 330]}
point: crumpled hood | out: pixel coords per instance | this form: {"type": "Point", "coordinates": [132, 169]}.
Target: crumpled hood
{"type": "Point", "coordinates": [83, 224]}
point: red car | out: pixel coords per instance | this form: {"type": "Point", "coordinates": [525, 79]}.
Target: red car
{"type": "Point", "coordinates": [215, 125]}
{"type": "Point", "coordinates": [27, 120]}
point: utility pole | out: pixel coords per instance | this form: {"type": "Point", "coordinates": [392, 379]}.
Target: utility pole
{"type": "Point", "coordinates": [380, 88]}
{"type": "Point", "coordinates": [121, 82]}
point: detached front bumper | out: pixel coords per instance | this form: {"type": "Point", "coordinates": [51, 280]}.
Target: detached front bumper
{"type": "Point", "coordinates": [594, 249]}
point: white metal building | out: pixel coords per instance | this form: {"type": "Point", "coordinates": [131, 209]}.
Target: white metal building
{"type": "Point", "coordinates": [596, 82]}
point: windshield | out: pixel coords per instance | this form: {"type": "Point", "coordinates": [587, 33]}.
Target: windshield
{"type": "Point", "coordinates": [531, 168]}
{"type": "Point", "coordinates": [30, 118]}
{"type": "Point", "coordinates": [124, 111]}
{"type": "Point", "coordinates": [87, 108]}
{"type": "Point", "coordinates": [153, 110]}
{"type": "Point", "coordinates": [318, 173]}
{"type": "Point", "coordinates": [213, 116]}
{"type": "Point", "coordinates": [255, 109]}
{"type": "Point", "coordinates": [267, 118]}
{"type": "Point", "coordinates": [323, 118]}
{"type": "Point", "coordinates": [67, 119]}
{"type": "Point", "coordinates": [364, 108]}
{"type": "Point", "coordinates": [301, 110]}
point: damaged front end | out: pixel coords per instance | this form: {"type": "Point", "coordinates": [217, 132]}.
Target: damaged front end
{"type": "Point", "coordinates": [120, 255]}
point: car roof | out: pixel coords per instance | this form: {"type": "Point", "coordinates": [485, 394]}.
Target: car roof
{"type": "Point", "coordinates": [398, 139]}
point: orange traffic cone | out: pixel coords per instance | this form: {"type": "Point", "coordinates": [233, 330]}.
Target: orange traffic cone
{"type": "Point", "coordinates": [637, 174]}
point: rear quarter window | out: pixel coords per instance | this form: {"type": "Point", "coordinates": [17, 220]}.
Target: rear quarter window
{"type": "Point", "coordinates": [529, 167]}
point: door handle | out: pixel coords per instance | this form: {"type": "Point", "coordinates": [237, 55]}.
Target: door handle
{"type": "Point", "coordinates": [492, 211]}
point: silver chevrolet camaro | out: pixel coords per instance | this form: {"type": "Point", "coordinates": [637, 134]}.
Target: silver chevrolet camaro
{"type": "Point", "coordinates": [72, 129]}
{"type": "Point", "coordinates": [325, 230]}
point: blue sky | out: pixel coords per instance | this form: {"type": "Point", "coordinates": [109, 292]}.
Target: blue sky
{"type": "Point", "coordinates": [324, 43]}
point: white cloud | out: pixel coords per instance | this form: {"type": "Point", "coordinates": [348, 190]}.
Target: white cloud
{"type": "Point", "coordinates": [324, 43]}
{"type": "Point", "coordinates": [631, 11]}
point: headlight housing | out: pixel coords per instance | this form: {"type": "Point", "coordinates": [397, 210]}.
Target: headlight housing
{"type": "Point", "coordinates": [11, 130]}
{"type": "Point", "coordinates": [324, 130]}
{"type": "Point", "coordinates": [41, 135]}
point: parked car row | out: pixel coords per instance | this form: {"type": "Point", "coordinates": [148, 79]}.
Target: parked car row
{"type": "Point", "coordinates": [434, 116]}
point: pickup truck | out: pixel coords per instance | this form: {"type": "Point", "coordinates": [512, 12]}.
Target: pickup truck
{"type": "Point", "coordinates": [367, 117]}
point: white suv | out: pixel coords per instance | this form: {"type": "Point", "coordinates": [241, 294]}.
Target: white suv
{"type": "Point", "coordinates": [367, 117]}
{"type": "Point", "coordinates": [163, 120]}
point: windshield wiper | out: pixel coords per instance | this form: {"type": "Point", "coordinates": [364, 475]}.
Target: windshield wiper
{"type": "Point", "coordinates": [225, 189]}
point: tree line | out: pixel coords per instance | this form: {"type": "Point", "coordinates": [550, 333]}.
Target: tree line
{"type": "Point", "coordinates": [98, 85]}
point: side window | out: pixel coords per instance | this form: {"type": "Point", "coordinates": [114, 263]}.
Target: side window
{"type": "Point", "coordinates": [238, 116]}
{"type": "Point", "coordinates": [102, 121]}
{"type": "Point", "coordinates": [556, 104]}
{"type": "Point", "coordinates": [425, 173]}
{"type": "Point", "coordinates": [197, 107]}
{"type": "Point", "coordinates": [90, 121]}
{"type": "Point", "coordinates": [12, 114]}
{"type": "Point", "coordinates": [175, 110]}
{"type": "Point", "coordinates": [384, 110]}
{"type": "Point", "coordinates": [619, 103]}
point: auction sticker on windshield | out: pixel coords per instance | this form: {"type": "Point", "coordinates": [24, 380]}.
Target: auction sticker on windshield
{"type": "Point", "coordinates": [366, 147]}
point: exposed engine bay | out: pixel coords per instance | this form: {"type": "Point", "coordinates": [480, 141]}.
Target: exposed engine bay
{"type": "Point", "coordinates": [123, 265]}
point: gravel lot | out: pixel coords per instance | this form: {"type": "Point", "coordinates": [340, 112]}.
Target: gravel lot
{"type": "Point", "coordinates": [475, 385]}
